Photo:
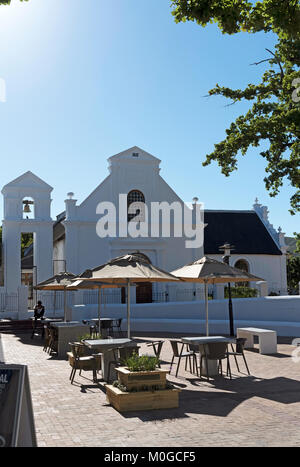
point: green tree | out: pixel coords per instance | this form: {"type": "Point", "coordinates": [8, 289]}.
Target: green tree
{"type": "Point", "coordinates": [297, 236]}
{"type": "Point", "coordinates": [293, 273]}
{"type": "Point", "coordinates": [26, 241]}
{"type": "Point", "coordinates": [274, 117]}
{"type": "Point", "coordinates": [7, 2]}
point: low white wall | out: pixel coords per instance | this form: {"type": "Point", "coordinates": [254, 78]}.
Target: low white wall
{"type": "Point", "coordinates": [279, 313]}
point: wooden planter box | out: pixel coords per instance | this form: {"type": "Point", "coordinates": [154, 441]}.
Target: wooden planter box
{"type": "Point", "coordinates": [140, 379]}
{"type": "Point", "coordinates": [143, 400]}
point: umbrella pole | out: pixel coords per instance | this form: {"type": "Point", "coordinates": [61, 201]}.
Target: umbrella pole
{"type": "Point", "coordinates": [99, 309]}
{"type": "Point", "coordinates": [206, 306]}
{"type": "Point", "coordinates": [54, 304]}
{"type": "Point", "coordinates": [65, 305]}
{"type": "Point", "coordinates": [128, 309]}
{"type": "Point", "coordinates": [231, 325]}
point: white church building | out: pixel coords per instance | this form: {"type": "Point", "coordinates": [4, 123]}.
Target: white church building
{"type": "Point", "coordinates": [74, 242]}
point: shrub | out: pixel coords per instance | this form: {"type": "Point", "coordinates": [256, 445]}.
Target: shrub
{"type": "Point", "coordinates": [141, 362]}
{"type": "Point", "coordinates": [117, 384]}
{"type": "Point", "coordinates": [241, 292]}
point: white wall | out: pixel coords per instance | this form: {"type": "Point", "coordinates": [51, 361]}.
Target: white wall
{"type": "Point", "coordinates": [84, 249]}
{"type": "Point", "coordinates": [271, 268]}
{"type": "Point", "coordinates": [278, 313]}
{"type": "Point", "coordinates": [27, 185]}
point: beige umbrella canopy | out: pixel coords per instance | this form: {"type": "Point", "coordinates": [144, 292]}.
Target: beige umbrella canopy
{"type": "Point", "coordinates": [129, 269]}
{"type": "Point", "coordinates": [84, 284]}
{"type": "Point", "coordinates": [211, 271]}
{"type": "Point", "coordinates": [60, 281]}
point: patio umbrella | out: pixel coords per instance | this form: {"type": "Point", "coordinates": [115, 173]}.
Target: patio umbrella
{"type": "Point", "coordinates": [211, 271]}
{"type": "Point", "coordinates": [84, 285]}
{"type": "Point", "coordinates": [58, 282]}
{"type": "Point", "coordinates": [129, 269]}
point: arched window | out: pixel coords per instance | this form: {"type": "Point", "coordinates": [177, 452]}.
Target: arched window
{"type": "Point", "coordinates": [244, 266]}
{"type": "Point", "coordinates": [135, 206]}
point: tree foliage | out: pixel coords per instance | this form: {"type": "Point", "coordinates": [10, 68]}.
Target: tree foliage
{"type": "Point", "coordinates": [297, 236]}
{"type": "Point", "coordinates": [26, 241]}
{"type": "Point", "coordinates": [7, 2]}
{"type": "Point", "coordinates": [293, 273]}
{"type": "Point", "coordinates": [274, 117]}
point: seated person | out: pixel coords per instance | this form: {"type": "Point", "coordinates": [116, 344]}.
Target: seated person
{"type": "Point", "coordinates": [39, 310]}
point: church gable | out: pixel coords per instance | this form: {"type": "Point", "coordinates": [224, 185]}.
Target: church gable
{"type": "Point", "coordinates": [27, 180]}
{"type": "Point", "coordinates": [130, 170]}
{"type": "Point", "coordinates": [133, 155]}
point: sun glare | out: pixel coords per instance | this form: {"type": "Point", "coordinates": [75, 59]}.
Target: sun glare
{"type": "Point", "coordinates": [14, 15]}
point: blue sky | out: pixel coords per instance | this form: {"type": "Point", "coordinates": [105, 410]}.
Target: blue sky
{"type": "Point", "coordinates": [86, 79]}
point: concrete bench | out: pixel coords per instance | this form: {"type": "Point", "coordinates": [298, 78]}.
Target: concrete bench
{"type": "Point", "coordinates": [267, 339]}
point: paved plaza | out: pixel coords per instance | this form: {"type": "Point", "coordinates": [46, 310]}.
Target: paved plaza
{"type": "Point", "coordinates": [260, 410]}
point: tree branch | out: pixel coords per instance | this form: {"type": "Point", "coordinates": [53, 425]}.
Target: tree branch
{"type": "Point", "coordinates": [279, 63]}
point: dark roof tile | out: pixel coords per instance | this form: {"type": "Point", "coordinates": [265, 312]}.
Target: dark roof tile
{"type": "Point", "coordinates": [243, 229]}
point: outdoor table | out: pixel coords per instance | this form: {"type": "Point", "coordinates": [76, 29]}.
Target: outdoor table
{"type": "Point", "coordinates": [106, 348]}
{"type": "Point", "coordinates": [68, 332]}
{"type": "Point", "coordinates": [43, 321]}
{"type": "Point", "coordinates": [200, 341]}
{"type": "Point", "coordinates": [65, 323]}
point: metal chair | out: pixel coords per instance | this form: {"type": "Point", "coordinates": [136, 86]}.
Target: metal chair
{"type": "Point", "coordinates": [53, 343]}
{"type": "Point", "coordinates": [239, 352]}
{"type": "Point", "coordinates": [116, 324]}
{"type": "Point", "coordinates": [157, 346]}
{"type": "Point", "coordinates": [214, 351]}
{"type": "Point", "coordinates": [83, 363]}
{"type": "Point", "coordinates": [106, 326]}
{"type": "Point", "coordinates": [47, 338]}
{"type": "Point", "coordinates": [93, 331]}
{"type": "Point", "coordinates": [180, 354]}
{"type": "Point", "coordinates": [120, 355]}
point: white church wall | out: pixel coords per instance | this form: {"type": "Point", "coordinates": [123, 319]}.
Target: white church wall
{"type": "Point", "coordinates": [26, 186]}
{"type": "Point", "coordinates": [133, 169]}
{"type": "Point", "coordinates": [84, 249]}
{"type": "Point", "coordinates": [271, 268]}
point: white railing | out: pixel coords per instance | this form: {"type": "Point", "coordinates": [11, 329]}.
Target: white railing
{"type": "Point", "coordinates": [90, 297]}
{"type": "Point", "coordinates": [51, 300]}
{"type": "Point", "coordinates": [9, 302]}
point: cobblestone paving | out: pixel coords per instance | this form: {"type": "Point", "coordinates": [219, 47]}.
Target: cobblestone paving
{"type": "Point", "coordinates": [260, 410]}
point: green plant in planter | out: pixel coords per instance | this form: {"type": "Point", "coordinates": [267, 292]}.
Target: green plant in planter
{"type": "Point", "coordinates": [88, 337]}
{"type": "Point", "coordinates": [141, 362]}
{"type": "Point", "coordinates": [117, 384]}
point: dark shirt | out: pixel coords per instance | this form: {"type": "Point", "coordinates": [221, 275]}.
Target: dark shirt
{"type": "Point", "coordinates": [39, 311]}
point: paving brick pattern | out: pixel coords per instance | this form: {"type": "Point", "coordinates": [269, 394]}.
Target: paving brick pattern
{"type": "Point", "coordinates": [260, 410]}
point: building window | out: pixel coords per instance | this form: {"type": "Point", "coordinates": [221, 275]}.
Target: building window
{"type": "Point", "coordinates": [244, 266]}
{"type": "Point", "coordinates": [136, 206]}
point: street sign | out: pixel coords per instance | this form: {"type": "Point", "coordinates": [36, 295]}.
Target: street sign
{"type": "Point", "coordinates": [16, 413]}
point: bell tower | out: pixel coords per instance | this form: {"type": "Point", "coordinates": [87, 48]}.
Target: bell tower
{"type": "Point", "coordinates": [27, 204]}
